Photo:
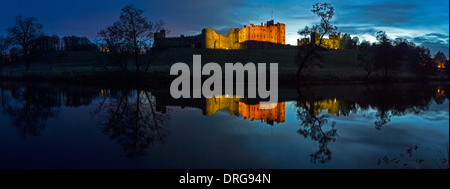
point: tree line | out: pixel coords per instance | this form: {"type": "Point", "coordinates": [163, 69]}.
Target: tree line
{"type": "Point", "coordinates": [385, 57]}
{"type": "Point", "coordinates": [391, 57]}
{"type": "Point", "coordinates": [125, 40]}
{"type": "Point", "coordinates": [26, 41]}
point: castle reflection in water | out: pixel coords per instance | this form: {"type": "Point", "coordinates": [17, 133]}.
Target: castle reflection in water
{"type": "Point", "coordinates": [332, 106]}
{"type": "Point", "coordinates": [236, 106]}
{"type": "Point", "coordinates": [139, 118]}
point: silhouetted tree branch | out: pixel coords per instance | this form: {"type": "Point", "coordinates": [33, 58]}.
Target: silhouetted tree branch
{"type": "Point", "coordinates": [130, 36]}
{"type": "Point", "coordinates": [312, 128]}
{"type": "Point", "coordinates": [325, 11]}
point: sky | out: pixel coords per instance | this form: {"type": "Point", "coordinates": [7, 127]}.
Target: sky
{"type": "Point", "coordinates": [425, 23]}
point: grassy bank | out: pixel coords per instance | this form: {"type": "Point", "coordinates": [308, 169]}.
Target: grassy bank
{"type": "Point", "coordinates": [91, 67]}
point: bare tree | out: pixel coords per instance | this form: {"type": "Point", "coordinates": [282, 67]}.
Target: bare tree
{"type": "Point", "coordinates": [366, 60]}
{"type": "Point", "coordinates": [131, 34]}
{"type": "Point", "coordinates": [112, 36]}
{"type": "Point", "coordinates": [4, 44]}
{"type": "Point", "coordinates": [23, 34]}
{"type": "Point", "coordinates": [325, 11]}
{"type": "Point", "coordinates": [136, 29]}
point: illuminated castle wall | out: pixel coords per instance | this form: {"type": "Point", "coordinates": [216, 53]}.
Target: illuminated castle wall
{"type": "Point", "coordinates": [236, 107]}
{"type": "Point", "coordinates": [269, 32]}
{"type": "Point", "coordinates": [333, 41]}
{"type": "Point", "coordinates": [254, 112]}
{"type": "Point", "coordinates": [332, 106]}
{"type": "Point", "coordinates": [269, 35]}
{"type": "Point", "coordinates": [219, 41]}
{"type": "Point", "coordinates": [215, 104]}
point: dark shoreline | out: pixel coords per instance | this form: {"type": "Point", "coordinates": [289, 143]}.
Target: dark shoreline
{"type": "Point", "coordinates": [118, 79]}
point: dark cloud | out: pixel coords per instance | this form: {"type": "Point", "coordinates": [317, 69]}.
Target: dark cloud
{"type": "Point", "coordinates": [358, 30]}
{"type": "Point", "coordinates": [386, 13]}
{"type": "Point", "coordinates": [434, 41]}
{"type": "Point", "coordinates": [436, 47]}
{"type": "Point", "coordinates": [432, 38]}
{"type": "Point", "coordinates": [438, 35]}
{"type": "Point", "coordinates": [302, 17]}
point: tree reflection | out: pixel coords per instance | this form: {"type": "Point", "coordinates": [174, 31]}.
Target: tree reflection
{"type": "Point", "coordinates": [382, 118]}
{"type": "Point", "coordinates": [31, 108]}
{"type": "Point", "coordinates": [313, 128]}
{"type": "Point", "coordinates": [130, 118]}
{"type": "Point", "coordinates": [30, 105]}
{"type": "Point", "coordinates": [416, 157]}
{"type": "Point", "coordinates": [393, 100]}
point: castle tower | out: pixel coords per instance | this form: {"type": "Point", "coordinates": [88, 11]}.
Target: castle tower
{"type": "Point", "coordinates": [269, 32]}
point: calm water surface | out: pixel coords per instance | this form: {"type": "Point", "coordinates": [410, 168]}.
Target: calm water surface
{"type": "Point", "coordinates": [321, 126]}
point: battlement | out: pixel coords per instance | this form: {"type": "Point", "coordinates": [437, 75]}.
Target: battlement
{"type": "Point", "coordinates": [269, 32]}
{"type": "Point", "coordinates": [183, 36]}
{"type": "Point", "coordinates": [209, 39]}
{"type": "Point", "coordinates": [194, 41]}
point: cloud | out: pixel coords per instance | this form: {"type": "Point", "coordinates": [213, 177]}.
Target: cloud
{"type": "Point", "coordinates": [435, 47]}
{"type": "Point", "coordinates": [358, 29]}
{"type": "Point", "coordinates": [439, 35]}
{"type": "Point", "coordinates": [302, 17]}
{"type": "Point", "coordinates": [422, 21]}
{"type": "Point", "coordinates": [385, 13]}
{"type": "Point", "coordinates": [434, 41]}
{"type": "Point", "coordinates": [432, 37]}
{"type": "Point", "coordinates": [390, 13]}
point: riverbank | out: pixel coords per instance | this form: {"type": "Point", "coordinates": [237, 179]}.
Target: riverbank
{"type": "Point", "coordinates": [338, 66]}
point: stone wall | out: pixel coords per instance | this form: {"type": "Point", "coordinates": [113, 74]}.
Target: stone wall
{"type": "Point", "coordinates": [196, 41]}
{"type": "Point", "coordinates": [264, 45]}
{"type": "Point", "coordinates": [215, 104]}
{"type": "Point", "coordinates": [269, 35]}
{"type": "Point", "coordinates": [219, 41]}
{"type": "Point", "coordinates": [254, 112]}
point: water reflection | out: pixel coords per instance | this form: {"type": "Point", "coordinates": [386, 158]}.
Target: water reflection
{"type": "Point", "coordinates": [411, 158]}
{"type": "Point", "coordinates": [30, 109]}
{"type": "Point", "coordinates": [313, 124]}
{"type": "Point", "coordinates": [130, 118]}
{"type": "Point", "coordinates": [236, 106]}
{"type": "Point", "coordinates": [137, 119]}
{"type": "Point", "coordinates": [31, 114]}
{"type": "Point", "coordinates": [30, 106]}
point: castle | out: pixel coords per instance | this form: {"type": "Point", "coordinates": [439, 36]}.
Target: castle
{"type": "Point", "coordinates": [269, 32]}
{"type": "Point", "coordinates": [333, 41]}
{"type": "Point", "coordinates": [269, 35]}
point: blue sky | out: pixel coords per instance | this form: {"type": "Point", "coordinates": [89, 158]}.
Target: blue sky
{"type": "Point", "coordinates": [423, 22]}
